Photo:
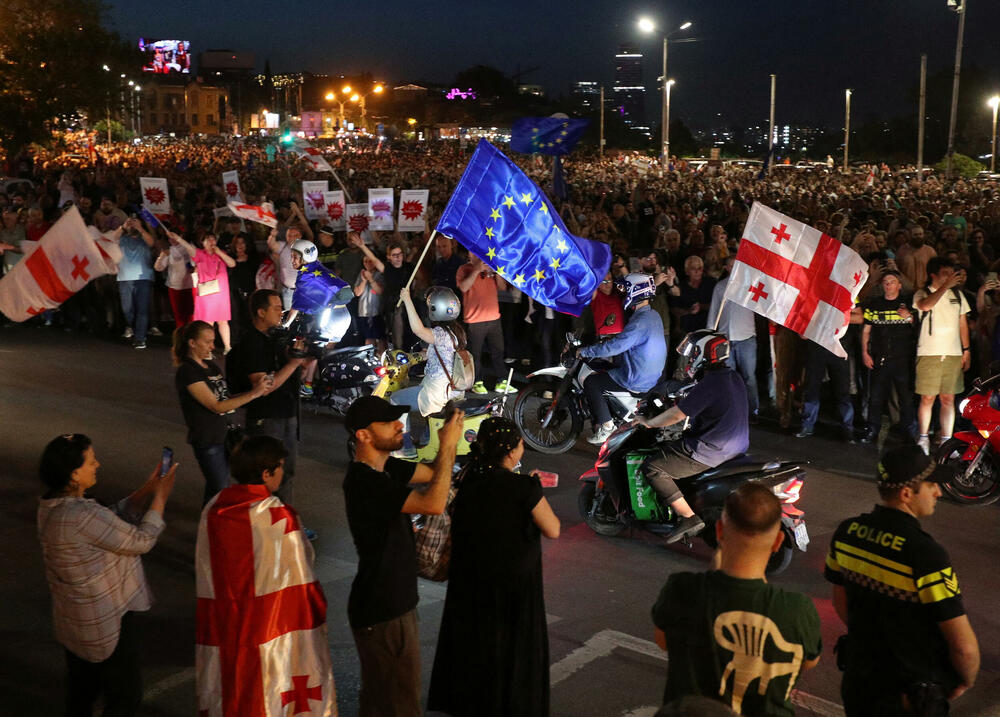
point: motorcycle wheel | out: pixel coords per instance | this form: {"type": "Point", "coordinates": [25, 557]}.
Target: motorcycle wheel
{"type": "Point", "coordinates": [982, 487]}
{"type": "Point", "coordinates": [593, 515]}
{"type": "Point", "coordinates": [530, 410]}
{"type": "Point", "coordinates": [780, 560]}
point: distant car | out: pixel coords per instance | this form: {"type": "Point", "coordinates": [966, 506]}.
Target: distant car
{"type": "Point", "coordinates": [13, 185]}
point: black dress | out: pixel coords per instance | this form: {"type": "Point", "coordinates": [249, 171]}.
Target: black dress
{"type": "Point", "coordinates": [493, 649]}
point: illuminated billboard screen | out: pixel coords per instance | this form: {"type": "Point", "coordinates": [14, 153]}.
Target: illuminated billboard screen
{"type": "Point", "coordinates": [166, 57]}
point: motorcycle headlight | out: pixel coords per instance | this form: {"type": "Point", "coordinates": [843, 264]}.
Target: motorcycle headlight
{"type": "Point", "coordinates": [962, 404]}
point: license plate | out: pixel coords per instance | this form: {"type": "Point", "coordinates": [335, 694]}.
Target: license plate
{"type": "Point", "coordinates": [801, 536]}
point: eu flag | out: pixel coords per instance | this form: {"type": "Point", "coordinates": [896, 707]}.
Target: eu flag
{"type": "Point", "coordinates": [546, 135]}
{"type": "Point", "coordinates": [316, 288]}
{"type": "Point", "coordinates": [502, 217]}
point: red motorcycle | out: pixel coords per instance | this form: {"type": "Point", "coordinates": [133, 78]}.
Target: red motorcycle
{"type": "Point", "coordinates": [975, 455]}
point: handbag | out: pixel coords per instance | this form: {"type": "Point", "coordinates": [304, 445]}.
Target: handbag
{"type": "Point", "coordinates": [463, 369]}
{"type": "Point", "coordinates": [207, 288]}
{"type": "Point", "coordinates": [432, 536]}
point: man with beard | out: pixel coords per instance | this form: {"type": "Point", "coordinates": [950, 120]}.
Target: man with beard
{"type": "Point", "coordinates": [913, 256]}
{"type": "Point", "coordinates": [380, 494]}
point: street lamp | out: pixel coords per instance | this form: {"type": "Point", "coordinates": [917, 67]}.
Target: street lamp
{"type": "Point", "coordinates": [648, 26]}
{"type": "Point", "coordinates": [138, 118]}
{"type": "Point", "coordinates": [360, 99]}
{"type": "Point", "coordinates": [331, 96]}
{"type": "Point", "coordinates": [107, 102]}
{"type": "Point", "coordinates": [994, 103]}
{"type": "Point", "coordinates": [847, 124]}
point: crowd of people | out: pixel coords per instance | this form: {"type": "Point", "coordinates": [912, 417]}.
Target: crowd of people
{"type": "Point", "coordinates": [925, 320]}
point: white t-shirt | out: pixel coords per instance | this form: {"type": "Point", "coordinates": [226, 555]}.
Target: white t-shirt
{"type": "Point", "coordinates": [939, 335]}
{"type": "Point", "coordinates": [434, 391]}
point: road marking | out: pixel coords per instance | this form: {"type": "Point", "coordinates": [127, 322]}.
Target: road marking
{"type": "Point", "coordinates": [603, 643]}
{"type": "Point", "coordinates": [168, 683]}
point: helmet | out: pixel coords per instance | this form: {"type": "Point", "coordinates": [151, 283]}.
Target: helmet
{"type": "Point", "coordinates": [635, 288]}
{"type": "Point", "coordinates": [307, 249]}
{"type": "Point", "coordinates": [703, 348]}
{"type": "Point", "coordinates": [442, 304]}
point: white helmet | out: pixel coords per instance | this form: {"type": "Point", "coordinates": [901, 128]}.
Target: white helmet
{"type": "Point", "coordinates": [636, 287]}
{"type": "Point", "coordinates": [307, 249]}
{"type": "Point", "coordinates": [442, 304]}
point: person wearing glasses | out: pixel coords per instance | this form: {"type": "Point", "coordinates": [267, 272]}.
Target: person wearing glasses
{"type": "Point", "coordinates": [395, 273]}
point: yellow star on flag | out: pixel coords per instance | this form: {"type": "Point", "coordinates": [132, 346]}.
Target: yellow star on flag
{"type": "Point", "coordinates": [495, 214]}
{"type": "Point", "coordinates": [539, 274]}
{"type": "Point", "coordinates": [554, 264]}
{"type": "Point", "coordinates": [489, 232]}
{"type": "Point", "coordinates": [519, 279]}
{"type": "Point", "coordinates": [318, 272]}
{"type": "Point", "coordinates": [561, 246]}
{"type": "Point", "coordinates": [491, 253]}
{"type": "Point", "coordinates": [526, 198]}
{"type": "Point", "coordinates": [543, 208]}
{"type": "Point", "coordinates": [564, 132]}
{"type": "Point", "coordinates": [501, 271]}
{"type": "Point", "coordinates": [508, 202]}
{"type": "Point", "coordinates": [558, 140]}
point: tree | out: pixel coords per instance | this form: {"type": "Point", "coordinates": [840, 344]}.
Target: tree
{"type": "Point", "coordinates": [52, 54]}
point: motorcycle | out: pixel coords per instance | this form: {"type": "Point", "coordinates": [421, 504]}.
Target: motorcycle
{"type": "Point", "coordinates": [975, 455]}
{"type": "Point", "coordinates": [552, 409]}
{"type": "Point", "coordinates": [614, 494]}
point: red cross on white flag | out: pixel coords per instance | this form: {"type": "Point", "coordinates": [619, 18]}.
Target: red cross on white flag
{"type": "Point", "coordinates": [263, 214]}
{"type": "Point", "coordinates": [68, 256]}
{"type": "Point", "coordinates": [261, 646]}
{"type": "Point", "coordinates": [311, 155]}
{"type": "Point", "coordinates": [797, 277]}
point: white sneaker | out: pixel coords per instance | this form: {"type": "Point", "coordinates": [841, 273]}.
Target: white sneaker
{"type": "Point", "coordinates": [924, 442]}
{"type": "Point", "coordinates": [600, 435]}
{"type": "Point", "coordinates": [128, 333]}
{"type": "Point", "coordinates": [153, 331]}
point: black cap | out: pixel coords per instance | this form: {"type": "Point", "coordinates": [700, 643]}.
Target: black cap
{"type": "Point", "coordinates": [908, 464]}
{"type": "Point", "coordinates": [371, 409]}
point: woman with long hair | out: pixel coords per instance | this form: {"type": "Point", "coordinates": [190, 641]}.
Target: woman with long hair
{"type": "Point", "coordinates": [211, 291]}
{"type": "Point", "coordinates": [205, 401]}
{"type": "Point", "coordinates": [492, 655]}
{"type": "Point", "coordinates": [94, 570]}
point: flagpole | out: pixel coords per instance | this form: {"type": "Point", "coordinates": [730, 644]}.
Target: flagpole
{"type": "Point", "coordinates": [416, 267]}
{"type": "Point", "coordinates": [342, 187]}
{"type": "Point", "coordinates": [718, 315]}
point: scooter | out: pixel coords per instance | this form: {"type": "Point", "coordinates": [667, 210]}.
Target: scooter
{"type": "Point", "coordinates": [614, 494]}
{"type": "Point", "coordinates": [975, 455]}
{"type": "Point", "coordinates": [552, 409]}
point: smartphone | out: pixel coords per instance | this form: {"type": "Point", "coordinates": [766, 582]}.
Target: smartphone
{"type": "Point", "coordinates": [166, 460]}
{"type": "Point", "coordinates": [548, 479]}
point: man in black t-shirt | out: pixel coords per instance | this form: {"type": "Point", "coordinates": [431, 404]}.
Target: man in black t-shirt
{"type": "Point", "coordinates": [908, 638]}
{"type": "Point", "coordinates": [380, 493]}
{"type": "Point", "coordinates": [887, 348]}
{"type": "Point", "coordinates": [729, 634]}
{"type": "Point", "coordinates": [256, 355]}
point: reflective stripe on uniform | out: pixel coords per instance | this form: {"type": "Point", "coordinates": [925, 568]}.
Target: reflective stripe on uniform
{"type": "Point", "coordinates": [876, 568]}
{"type": "Point", "coordinates": [938, 586]}
{"type": "Point", "coordinates": [872, 557]}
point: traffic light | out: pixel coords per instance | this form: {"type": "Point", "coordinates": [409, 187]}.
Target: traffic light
{"type": "Point", "coordinates": [287, 138]}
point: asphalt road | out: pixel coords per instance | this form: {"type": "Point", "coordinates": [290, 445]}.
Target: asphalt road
{"type": "Point", "coordinates": [598, 591]}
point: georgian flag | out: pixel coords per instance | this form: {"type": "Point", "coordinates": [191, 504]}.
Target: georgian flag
{"type": "Point", "coordinates": [336, 212]}
{"type": "Point", "coordinates": [311, 155]}
{"type": "Point", "coordinates": [314, 199]}
{"type": "Point", "coordinates": [413, 210]}
{"type": "Point", "coordinates": [380, 212]}
{"type": "Point", "coordinates": [797, 277]}
{"type": "Point", "coordinates": [155, 195]}
{"type": "Point", "coordinates": [63, 261]}
{"type": "Point", "coordinates": [231, 186]}
{"type": "Point", "coordinates": [263, 214]}
{"type": "Point", "coordinates": [261, 646]}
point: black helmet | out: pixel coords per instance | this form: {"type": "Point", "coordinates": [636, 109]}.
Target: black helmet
{"type": "Point", "coordinates": [703, 348]}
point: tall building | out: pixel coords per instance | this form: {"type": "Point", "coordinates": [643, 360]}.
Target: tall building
{"type": "Point", "coordinates": [587, 95]}
{"type": "Point", "coordinates": [629, 94]}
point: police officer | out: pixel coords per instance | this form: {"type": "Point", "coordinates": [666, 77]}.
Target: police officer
{"type": "Point", "coordinates": [909, 645]}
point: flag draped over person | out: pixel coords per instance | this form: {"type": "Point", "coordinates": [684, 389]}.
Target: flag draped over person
{"type": "Point", "coordinates": [546, 135]}
{"type": "Point", "coordinates": [261, 646]}
{"type": "Point", "coordinates": [68, 256]}
{"type": "Point", "coordinates": [502, 217]}
{"type": "Point", "coordinates": [797, 277]}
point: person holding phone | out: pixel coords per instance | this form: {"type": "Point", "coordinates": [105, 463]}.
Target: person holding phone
{"type": "Point", "coordinates": [93, 566]}
{"type": "Point", "coordinates": [205, 401]}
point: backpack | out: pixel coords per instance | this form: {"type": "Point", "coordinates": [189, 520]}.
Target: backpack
{"type": "Point", "coordinates": [463, 369]}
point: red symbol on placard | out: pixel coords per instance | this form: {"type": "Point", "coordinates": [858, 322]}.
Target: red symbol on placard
{"type": "Point", "coordinates": [232, 189]}
{"type": "Point", "coordinates": [780, 234]}
{"type": "Point", "coordinates": [381, 208]}
{"type": "Point", "coordinates": [335, 210]}
{"type": "Point", "coordinates": [315, 199]}
{"type": "Point", "coordinates": [301, 694]}
{"type": "Point", "coordinates": [412, 209]}
{"type": "Point", "coordinates": [758, 292]}
{"type": "Point", "coordinates": [358, 222]}
{"type": "Point", "coordinates": [155, 195]}
{"type": "Point", "coordinates": [80, 268]}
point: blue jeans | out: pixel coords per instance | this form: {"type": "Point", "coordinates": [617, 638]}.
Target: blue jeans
{"type": "Point", "coordinates": [819, 362]}
{"type": "Point", "coordinates": [743, 360]}
{"type": "Point", "coordinates": [135, 305]}
{"type": "Point", "coordinates": [214, 466]}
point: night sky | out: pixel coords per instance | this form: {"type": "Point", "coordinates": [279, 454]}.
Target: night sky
{"type": "Point", "coordinates": [816, 47]}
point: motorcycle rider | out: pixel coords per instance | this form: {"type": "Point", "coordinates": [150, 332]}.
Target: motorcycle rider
{"type": "Point", "coordinates": [642, 350]}
{"type": "Point", "coordinates": [719, 429]}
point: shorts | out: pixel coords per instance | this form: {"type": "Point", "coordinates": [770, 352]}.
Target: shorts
{"type": "Point", "coordinates": [939, 374]}
{"type": "Point", "coordinates": [371, 327]}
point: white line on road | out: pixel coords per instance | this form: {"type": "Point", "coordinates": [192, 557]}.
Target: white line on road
{"type": "Point", "coordinates": [605, 641]}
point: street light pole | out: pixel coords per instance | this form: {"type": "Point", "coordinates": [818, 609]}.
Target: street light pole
{"type": "Point", "coordinates": [138, 118]}
{"type": "Point", "coordinates": [847, 125]}
{"type": "Point", "coordinates": [994, 104]}
{"type": "Point", "coordinates": [954, 87]}
{"type": "Point", "coordinates": [923, 113]}
{"type": "Point", "coordinates": [666, 120]}
{"type": "Point", "coordinates": [600, 150]}
{"type": "Point", "coordinates": [770, 126]}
